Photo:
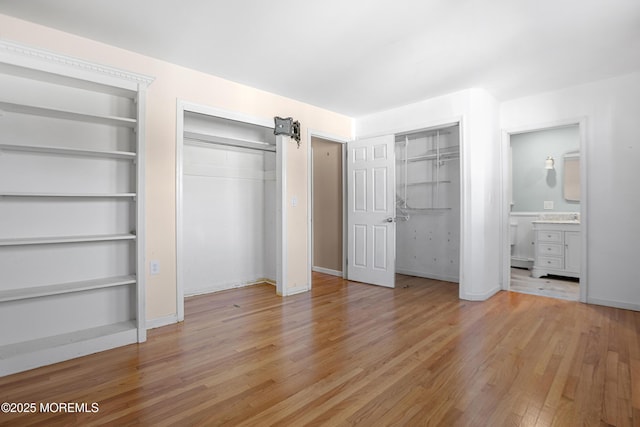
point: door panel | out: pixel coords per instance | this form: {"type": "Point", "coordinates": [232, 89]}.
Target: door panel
{"type": "Point", "coordinates": [380, 247]}
{"type": "Point", "coordinates": [360, 190]}
{"type": "Point", "coordinates": [380, 190]}
{"type": "Point", "coordinates": [370, 203]}
{"type": "Point", "coordinates": [360, 245]}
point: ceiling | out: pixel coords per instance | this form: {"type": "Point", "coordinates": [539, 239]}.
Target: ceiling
{"type": "Point", "coordinates": [361, 56]}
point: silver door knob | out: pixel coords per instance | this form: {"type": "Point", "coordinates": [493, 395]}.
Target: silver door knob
{"type": "Point", "coordinates": [390, 219]}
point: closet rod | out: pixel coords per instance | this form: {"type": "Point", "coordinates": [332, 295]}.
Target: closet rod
{"type": "Point", "coordinates": [233, 142]}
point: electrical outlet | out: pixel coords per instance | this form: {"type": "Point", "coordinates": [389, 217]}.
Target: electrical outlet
{"type": "Point", "coordinates": [154, 267]}
{"type": "Point", "coordinates": [548, 204]}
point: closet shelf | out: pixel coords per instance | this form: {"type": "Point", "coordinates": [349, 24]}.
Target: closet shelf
{"type": "Point", "coordinates": [444, 154]}
{"type": "Point", "coordinates": [430, 157]}
{"type": "Point", "coordinates": [65, 239]}
{"type": "Point", "coordinates": [65, 288]}
{"type": "Point", "coordinates": [429, 182]}
{"type": "Point", "coordinates": [68, 151]}
{"type": "Point", "coordinates": [425, 210]}
{"type": "Point", "coordinates": [236, 142]}
{"type": "Point", "coordinates": [67, 115]}
{"type": "Point", "coordinates": [68, 195]}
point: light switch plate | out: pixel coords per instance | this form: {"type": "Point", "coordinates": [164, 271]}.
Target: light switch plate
{"type": "Point", "coordinates": [548, 204]}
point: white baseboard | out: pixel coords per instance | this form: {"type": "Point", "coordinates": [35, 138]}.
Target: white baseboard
{"type": "Point", "coordinates": [615, 304]}
{"type": "Point", "coordinates": [226, 286]}
{"type": "Point", "coordinates": [295, 291]}
{"type": "Point", "coordinates": [327, 271]}
{"type": "Point", "coordinates": [444, 278]}
{"type": "Point", "coordinates": [480, 297]}
{"type": "Point", "coordinates": [162, 321]}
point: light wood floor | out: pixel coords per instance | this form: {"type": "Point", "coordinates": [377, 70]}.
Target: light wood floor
{"type": "Point", "coordinates": [353, 354]}
{"type": "Point", "coordinates": [548, 286]}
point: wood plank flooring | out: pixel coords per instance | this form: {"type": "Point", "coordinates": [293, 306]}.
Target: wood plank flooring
{"type": "Point", "coordinates": [548, 286]}
{"type": "Point", "coordinates": [354, 354]}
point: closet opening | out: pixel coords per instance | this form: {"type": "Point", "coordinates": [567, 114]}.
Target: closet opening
{"type": "Point", "coordinates": [428, 203]}
{"type": "Point", "coordinates": [228, 205]}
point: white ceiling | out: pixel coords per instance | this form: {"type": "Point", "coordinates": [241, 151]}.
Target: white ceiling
{"type": "Point", "coordinates": [360, 56]}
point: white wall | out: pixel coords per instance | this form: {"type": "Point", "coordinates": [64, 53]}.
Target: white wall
{"type": "Point", "coordinates": [225, 218]}
{"type": "Point", "coordinates": [612, 111]}
{"type": "Point", "coordinates": [532, 184]}
{"type": "Point", "coordinates": [175, 82]}
{"type": "Point", "coordinates": [477, 111]}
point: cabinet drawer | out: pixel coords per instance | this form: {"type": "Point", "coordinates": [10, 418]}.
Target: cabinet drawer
{"type": "Point", "coordinates": [550, 249]}
{"type": "Point", "coordinates": [549, 262]}
{"type": "Point", "coordinates": [550, 236]}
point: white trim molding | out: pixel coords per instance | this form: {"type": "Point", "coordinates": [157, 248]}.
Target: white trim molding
{"type": "Point", "coordinates": [480, 297]}
{"type": "Point", "coordinates": [44, 60]}
{"type": "Point", "coordinates": [183, 106]}
{"type": "Point", "coordinates": [327, 271]}
{"type": "Point", "coordinates": [158, 322]}
{"type": "Point", "coordinates": [611, 303]}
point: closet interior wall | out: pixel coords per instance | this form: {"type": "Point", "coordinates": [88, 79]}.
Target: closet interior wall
{"type": "Point", "coordinates": [428, 204]}
{"type": "Point", "coordinates": [229, 204]}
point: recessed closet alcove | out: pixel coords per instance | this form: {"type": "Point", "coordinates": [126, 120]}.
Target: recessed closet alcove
{"type": "Point", "coordinates": [228, 204]}
{"type": "Point", "coordinates": [428, 203]}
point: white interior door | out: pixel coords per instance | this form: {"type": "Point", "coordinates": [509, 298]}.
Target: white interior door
{"type": "Point", "coordinates": [371, 211]}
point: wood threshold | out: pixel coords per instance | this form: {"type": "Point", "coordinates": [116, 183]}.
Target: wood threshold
{"type": "Point", "coordinates": [353, 354]}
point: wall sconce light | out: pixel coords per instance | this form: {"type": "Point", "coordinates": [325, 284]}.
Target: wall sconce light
{"type": "Point", "coordinates": [548, 164]}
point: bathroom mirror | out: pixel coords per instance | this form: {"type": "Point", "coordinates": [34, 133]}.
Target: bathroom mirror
{"type": "Point", "coordinates": [571, 178]}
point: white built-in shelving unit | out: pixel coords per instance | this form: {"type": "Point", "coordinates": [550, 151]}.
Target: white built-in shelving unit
{"type": "Point", "coordinates": [422, 163]}
{"type": "Point", "coordinates": [71, 207]}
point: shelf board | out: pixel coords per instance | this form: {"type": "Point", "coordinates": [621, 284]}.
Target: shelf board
{"type": "Point", "coordinates": [38, 352]}
{"type": "Point", "coordinates": [417, 210]}
{"type": "Point", "coordinates": [68, 151]}
{"type": "Point", "coordinates": [70, 195]}
{"type": "Point", "coordinates": [449, 153]}
{"type": "Point", "coordinates": [65, 288]}
{"type": "Point", "coordinates": [442, 157]}
{"type": "Point", "coordinates": [65, 239]}
{"type": "Point", "coordinates": [67, 115]}
{"type": "Point", "coordinates": [236, 142]}
{"type": "Point", "coordinates": [429, 182]}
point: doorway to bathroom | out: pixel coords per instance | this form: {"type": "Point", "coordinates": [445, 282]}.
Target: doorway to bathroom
{"type": "Point", "coordinates": [545, 207]}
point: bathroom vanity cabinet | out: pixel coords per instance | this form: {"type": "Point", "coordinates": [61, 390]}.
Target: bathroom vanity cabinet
{"type": "Point", "coordinates": [557, 248]}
